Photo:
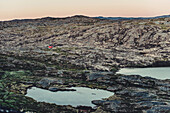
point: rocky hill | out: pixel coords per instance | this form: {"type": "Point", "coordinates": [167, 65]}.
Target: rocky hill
{"type": "Point", "coordinates": [91, 43]}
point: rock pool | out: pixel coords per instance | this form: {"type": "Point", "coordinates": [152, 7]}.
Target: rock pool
{"type": "Point", "coordinates": [159, 72]}
{"type": "Point", "coordinates": [82, 96]}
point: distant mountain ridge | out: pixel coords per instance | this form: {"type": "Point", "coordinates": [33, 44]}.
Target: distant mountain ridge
{"type": "Point", "coordinates": [47, 18]}
{"type": "Point", "coordinates": [131, 18]}
{"type": "Point", "coordinates": [99, 17]}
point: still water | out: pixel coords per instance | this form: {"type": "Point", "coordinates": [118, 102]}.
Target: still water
{"type": "Point", "coordinates": [82, 96]}
{"type": "Point", "coordinates": [159, 73]}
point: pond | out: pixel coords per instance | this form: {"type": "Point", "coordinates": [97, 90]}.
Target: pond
{"type": "Point", "coordinates": [82, 96]}
{"type": "Point", "coordinates": [159, 72]}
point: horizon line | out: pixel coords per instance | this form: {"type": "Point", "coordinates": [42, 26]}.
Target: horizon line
{"type": "Point", "coordinates": [29, 18]}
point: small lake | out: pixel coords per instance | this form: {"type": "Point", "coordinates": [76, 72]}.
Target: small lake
{"type": "Point", "coordinates": [82, 96]}
{"type": "Point", "coordinates": [159, 72]}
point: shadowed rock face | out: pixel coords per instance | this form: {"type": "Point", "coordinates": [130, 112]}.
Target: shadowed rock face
{"type": "Point", "coordinates": [45, 82]}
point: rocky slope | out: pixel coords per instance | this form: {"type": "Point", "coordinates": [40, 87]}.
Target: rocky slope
{"type": "Point", "coordinates": [93, 43]}
{"type": "Point", "coordinates": [84, 49]}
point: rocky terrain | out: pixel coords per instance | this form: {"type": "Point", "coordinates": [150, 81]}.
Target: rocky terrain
{"type": "Point", "coordinates": [86, 52]}
{"type": "Point", "coordinates": [93, 43]}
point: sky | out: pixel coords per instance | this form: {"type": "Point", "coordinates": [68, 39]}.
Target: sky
{"type": "Point", "coordinates": [26, 9]}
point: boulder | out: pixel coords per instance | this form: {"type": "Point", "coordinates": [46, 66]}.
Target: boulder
{"type": "Point", "coordinates": [45, 82]}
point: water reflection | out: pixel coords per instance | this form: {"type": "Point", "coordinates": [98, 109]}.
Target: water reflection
{"type": "Point", "coordinates": [82, 96]}
{"type": "Point", "coordinates": [159, 73]}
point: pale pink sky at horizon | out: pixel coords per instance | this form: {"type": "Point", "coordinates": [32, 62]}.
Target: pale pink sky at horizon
{"type": "Point", "coordinates": [23, 9]}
